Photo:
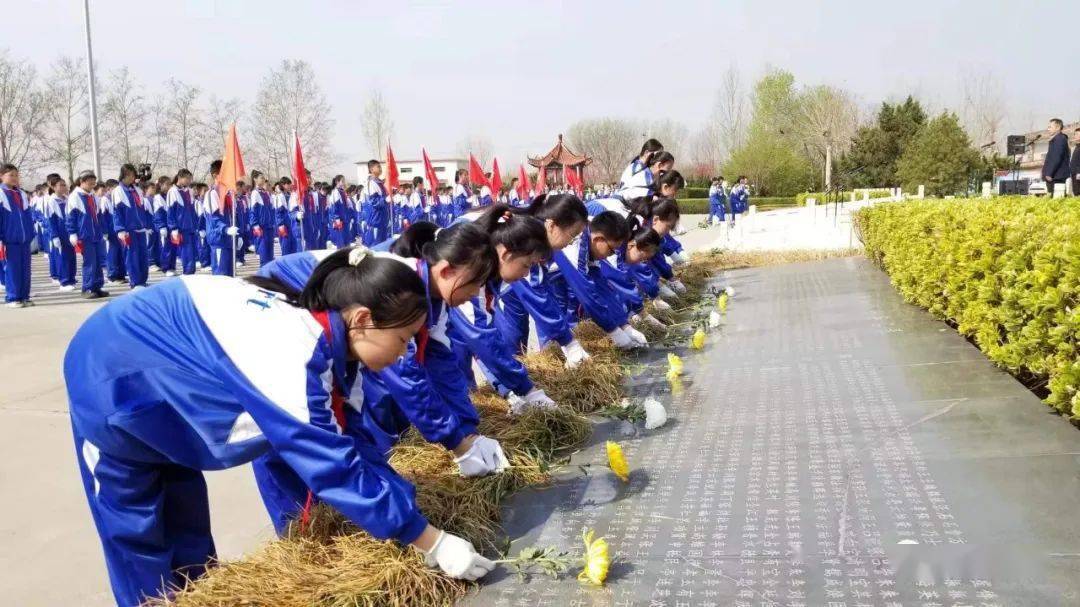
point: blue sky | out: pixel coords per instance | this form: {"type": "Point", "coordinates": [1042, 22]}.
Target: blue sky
{"type": "Point", "coordinates": [521, 72]}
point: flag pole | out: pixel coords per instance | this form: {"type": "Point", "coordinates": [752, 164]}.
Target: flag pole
{"type": "Point", "coordinates": [92, 91]}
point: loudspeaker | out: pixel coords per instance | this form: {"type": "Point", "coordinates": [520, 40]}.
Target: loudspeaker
{"type": "Point", "coordinates": [1013, 187]}
{"type": "Point", "coordinates": [1015, 145]}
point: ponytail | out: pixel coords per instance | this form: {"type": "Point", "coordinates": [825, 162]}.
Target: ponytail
{"type": "Point", "coordinates": [648, 150]}
{"type": "Point", "coordinates": [566, 210]}
{"type": "Point", "coordinates": [353, 276]}
{"type": "Point", "coordinates": [520, 234]}
{"type": "Point", "coordinates": [463, 245]}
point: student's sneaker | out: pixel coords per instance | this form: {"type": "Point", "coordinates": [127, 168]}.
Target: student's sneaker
{"type": "Point", "coordinates": [54, 281]}
{"type": "Point", "coordinates": [66, 288]}
{"type": "Point", "coordinates": [95, 294]}
{"type": "Point", "coordinates": [170, 274]}
{"type": "Point", "coordinates": [15, 304]}
{"type": "Point", "coordinates": [117, 281]}
{"type": "Point", "coordinates": [28, 303]}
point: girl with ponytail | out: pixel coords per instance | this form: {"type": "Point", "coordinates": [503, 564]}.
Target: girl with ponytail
{"type": "Point", "coordinates": [242, 370]}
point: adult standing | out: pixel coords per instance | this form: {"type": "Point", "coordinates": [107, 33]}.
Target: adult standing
{"type": "Point", "coordinates": [1056, 166]}
{"type": "Point", "coordinates": [1074, 167]}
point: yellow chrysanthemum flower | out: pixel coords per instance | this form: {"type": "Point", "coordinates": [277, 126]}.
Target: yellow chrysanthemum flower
{"type": "Point", "coordinates": [617, 461]}
{"type": "Point", "coordinates": [721, 302]}
{"type": "Point", "coordinates": [597, 559]}
{"type": "Point", "coordinates": [675, 366]}
{"type": "Point", "coordinates": [698, 342]}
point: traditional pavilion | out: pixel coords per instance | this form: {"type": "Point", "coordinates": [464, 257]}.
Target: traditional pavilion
{"type": "Point", "coordinates": [553, 162]}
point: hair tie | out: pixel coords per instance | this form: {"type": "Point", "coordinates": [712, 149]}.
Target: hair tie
{"type": "Point", "coordinates": [357, 254]}
{"type": "Point", "coordinates": [505, 217]}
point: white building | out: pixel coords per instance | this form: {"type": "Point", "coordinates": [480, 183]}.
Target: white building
{"type": "Point", "coordinates": [445, 168]}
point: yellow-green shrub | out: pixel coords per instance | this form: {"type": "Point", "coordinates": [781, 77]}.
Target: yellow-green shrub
{"type": "Point", "coordinates": [1005, 270]}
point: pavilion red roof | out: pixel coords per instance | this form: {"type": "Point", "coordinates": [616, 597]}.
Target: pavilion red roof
{"type": "Point", "coordinates": [561, 155]}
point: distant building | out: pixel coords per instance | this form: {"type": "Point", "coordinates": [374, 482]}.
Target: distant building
{"type": "Point", "coordinates": [407, 169]}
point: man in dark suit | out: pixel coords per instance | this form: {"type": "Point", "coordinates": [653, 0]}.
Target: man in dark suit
{"type": "Point", "coordinates": [1056, 166]}
{"type": "Point", "coordinates": [1074, 168]}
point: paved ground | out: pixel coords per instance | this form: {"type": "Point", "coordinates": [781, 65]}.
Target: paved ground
{"type": "Point", "coordinates": [832, 446]}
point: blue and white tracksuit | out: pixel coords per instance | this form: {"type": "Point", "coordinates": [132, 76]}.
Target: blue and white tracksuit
{"type": "Point", "coordinates": [532, 297]}
{"type": "Point", "coordinates": [463, 201]}
{"type": "Point", "coordinates": [338, 220]}
{"type": "Point", "coordinates": [114, 253]}
{"type": "Point", "coordinates": [376, 213]}
{"type": "Point", "coordinates": [740, 199]}
{"type": "Point", "coordinates": [261, 216]}
{"type": "Point", "coordinates": [167, 261]}
{"type": "Point", "coordinates": [84, 221]}
{"type": "Point", "coordinates": [56, 212]}
{"type": "Point", "coordinates": [578, 284]}
{"type": "Point", "coordinates": [16, 234]}
{"type": "Point", "coordinates": [129, 216]}
{"type": "Point", "coordinates": [636, 181]}
{"type": "Point", "coordinates": [236, 373]}
{"type": "Point", "coordinates": [424, 388]}
{"type": "Point", "coordinates": [218, 221]}
{"type": "Point", "coordinates": [717, 201]}
{"type": "Point", "coordinates": [183, 218]}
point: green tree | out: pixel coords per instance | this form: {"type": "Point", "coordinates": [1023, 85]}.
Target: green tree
{"type": "Point", "coordinates": [940, 157]}
{"type": "Point", "coordinates": [772, 166]}
{"type": "Point", "coordinates": [871, 162]}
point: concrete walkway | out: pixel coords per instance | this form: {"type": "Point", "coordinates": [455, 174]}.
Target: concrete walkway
{"type": "Point", "coordinates": [831, 446]}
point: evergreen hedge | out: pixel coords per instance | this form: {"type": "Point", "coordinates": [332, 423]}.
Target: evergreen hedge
{"type": "Point", "coordinates": [1005, 271]}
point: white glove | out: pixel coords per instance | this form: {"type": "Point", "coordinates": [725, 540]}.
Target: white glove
{"type": "Point", "coordinates": [636, 336]}
{"type": "Point", "coordinates": [164, 232]}
{"type": "Point", "coordinates": [680, 257]}
{"type": "Point", "coordinates": [622, 340]}
{"type": "Point", "coordinates": [652, 320]}
{"type": "Point", "coordinates": [299, 215]}
{"type": "Point", "coordinates": [667, 293]}
{"type": "Point", "coordinates": [680, 230]}
{"type": "Point", "coordinates": [457, 558]}
{"type": "Point", "coordinates": [73, 239]}
{"type": "Point", "coordinates": [232, 230]}
{"type": "Point", "coordinates": [56, 243]}
{"type": "Point", "coordinates": [575, 354]}
{"type": "Point", "coordinates": [202, 233]}
{"type": "Point", "coordinates": [661, 305]}
{"type": "Point", "coordinates": [483, 457]}
{"type": "Point", "coordinates": [677, 285]}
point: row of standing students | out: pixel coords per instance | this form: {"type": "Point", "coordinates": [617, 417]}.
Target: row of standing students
{"type": "Point", "coordinates": [314, 368]}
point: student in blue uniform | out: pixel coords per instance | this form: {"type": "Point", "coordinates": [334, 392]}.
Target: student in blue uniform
{"type": "Point", "coordinates": [417, 202]}
{"type": "Point", "coordinates": [150, 230]}
{"type": "Point", "coordinates": [463, 197]}
{"type": "Point", "coordinates": [243, 239]}
{"type": "Point", "coordinates": [577, 281]}
{"type": "Point", "coordinates": [261, 219]}
{"type": "Point", "coordinates": [286, 232]}
{"type": "Point", "coordinates": [338, 213]}
{"type": "Point", "coordinates": [127, 206]}
{"type": "Point", "coordinates": [203, 255]}
{"type": "Point", "coordinates": [639, 163]}
{"type": "Point", "coordinates": [717, 202]}
{"type": "Point", "coordinates": [161, 224]}
{"type": "Point", "coordinates": [305, 218]}
{"type": "Point", "coordinates": [322, 206]}
{"type": "Point", "coordinates": [520, 242]}
{"type": "Point", "coordinates": [642, 183]}
{"type": "Point", "coordinates": [239, 372]}
{"type": "Point", "coordinates": [115, 271]}
{"type": "Point", "coordinates": [739, 198]}
{"type": "Point", "coordinates": [564, 218]}
{"type": "Point", "coordinates": [182, 219]}
{"type": "Point", "coordinates": [60, 246]}
{"type": "Point", "coordinates": [86, 235]}
{"type": "Point", "coordinates": [221, 233]}
{"type": "Point", "coordinates": [640, 247]}
{"type": "Point", "coordinates": [16, 234]}
{"type": "Point", "coordinates": [376, 206]}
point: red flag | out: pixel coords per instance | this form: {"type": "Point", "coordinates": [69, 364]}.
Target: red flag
{"type": "Point", "coordinates": [496, 179]}
{"type": "Point", "coordinates": [392, 175]}
{"type": "Point", "coordinates": [571, 178]}
{"type": "Point", "coordinates": [299, 171]}
{"type": "Point", "coordinates": [541, 181]}
{"type": "Point", "coordinates": [476, 173]}
{"type": "Point", "coordinates": [523, 182]}
{"type": "Point", "coordinates": [232, 165]}
{"type": "Point", "coordinates": [433, 179]}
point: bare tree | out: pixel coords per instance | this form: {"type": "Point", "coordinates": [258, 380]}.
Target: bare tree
{"type": "Point", "coordinates": [220, 115]}
{"type": "Point", "coordinates": [730, 116]}
{"type": "Point", "coordinates": [22, 110]}
{"type": "Point", "coordinates": [672, 134]}
{"type": "Point", "coordinates": [477, 145]}
{"type": "Point", "coordinates": [184, 127]}
{"type": "Point", "coordinates": [377, 124]}
{"type": "Point", "coordinates": [825, 122]}
{"type": "Point", "coordinates": [983, 106]}
{"type": "Point", "coordinates": [66, 136]}
{"type": "Point", "coordinates": [610, 142]}
{"type": "Point", "coordinates": [124, 115]}
{"type": "Point", "coordinates": [290, 101]}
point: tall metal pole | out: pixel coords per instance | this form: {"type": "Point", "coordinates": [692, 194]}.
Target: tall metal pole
{"type": "Point", "coordinates": [93, 93]}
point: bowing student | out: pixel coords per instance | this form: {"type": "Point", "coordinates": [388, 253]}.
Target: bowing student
{"type": "Point", "coordinates": [578, 280]}
{"type": "Point", "coordinates": [161, 224]}
{"type": "Point", "coordinates": [86, 234]}
{"type": "Point", "coordinates": [129, 224]}
{"type": "Point", "coordinates": [16, 234]}
{"type": "Point", "coordinates": [182, 219]}
{"type": "Point", "coordinates": [60, 246]}
{"type": "Point", "coordinates": [251, 368]}
{"type": "Point", "coordinates": [642, 183]}
{"type": "Point", "coordinates": [564, 218]}
{"type": "Point", "coordinates": [261, 219]}
{"type": "Point", "coordinates": [639, 163]}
